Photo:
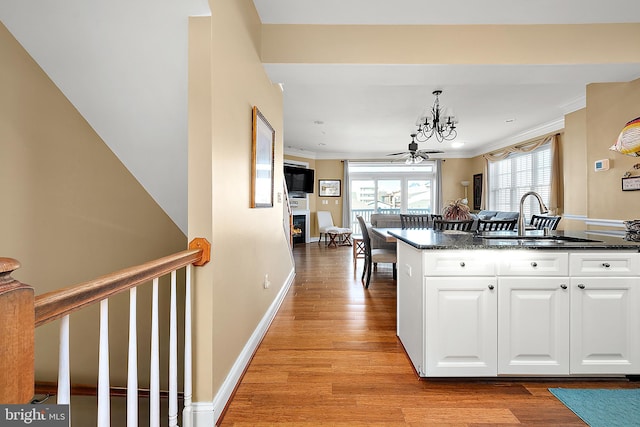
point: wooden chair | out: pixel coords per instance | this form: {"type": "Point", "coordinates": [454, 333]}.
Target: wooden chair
{"type": "Point", "coordinates": [497, 224]}
{"type": "Point", "coordinates": [541, 222]}
{"type": "Point", "coordinates": [460, 225]}
{"type": "Point", "coordinates": [414, 221]}
{"type": "Point", "coordinates": [372, 256]}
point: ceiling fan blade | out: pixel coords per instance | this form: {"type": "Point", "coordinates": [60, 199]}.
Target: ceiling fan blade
{"type": "Point", "coordinates": [430, 151]}
{"type": "Point", "coordinates": [397, 154]}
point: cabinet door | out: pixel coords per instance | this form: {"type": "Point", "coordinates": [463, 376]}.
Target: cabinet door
{"type": "Point", "coordinates": [461, 333]}
{"type": "Point", "coordinates": [605, 325]}
{"type": "Point", "coordinates": [533, 326]}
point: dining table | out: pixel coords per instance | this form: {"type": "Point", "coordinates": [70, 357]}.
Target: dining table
{"type": "Point", "coordinates": [384, 233]}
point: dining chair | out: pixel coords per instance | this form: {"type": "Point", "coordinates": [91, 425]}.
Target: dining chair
{"type": "Point", "coordinates": [414, 221]}
{"type": "Point", "coordinates": [447, 224]}
{"type": "Point", "coordinates": [497, 224]}
{"type": "Point", "coordinates": [372, 256]}
{"type": "Point", "coordinates": [540, 222]}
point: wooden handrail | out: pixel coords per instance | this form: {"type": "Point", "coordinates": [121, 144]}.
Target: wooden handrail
{"type": "Point", "coordinates": [57, 304]}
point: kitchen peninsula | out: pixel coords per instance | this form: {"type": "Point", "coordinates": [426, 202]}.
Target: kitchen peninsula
{"type": "Point", "coordinates": [499, 304]}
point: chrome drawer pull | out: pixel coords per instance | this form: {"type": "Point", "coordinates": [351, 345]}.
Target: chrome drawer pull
{"type": "Point", "coordinates": [563, 286]}
{"type": "Point", "coordinates": [491, 287]}
{"type": "Point", "coordinates": [606, 265]}
{"type": "Point", "coordinates": [534, 264]}
{"type": "Point", "coordinates": [581, 286]}
{"type": "Point", "coordinates": [462, 264]}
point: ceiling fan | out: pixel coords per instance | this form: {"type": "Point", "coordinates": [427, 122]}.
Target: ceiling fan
{"type": "Point", "coordinates": [413, 155]}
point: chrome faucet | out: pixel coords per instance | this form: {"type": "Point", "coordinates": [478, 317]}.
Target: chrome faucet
{"type": "Point", "coordinates": [543, 210]}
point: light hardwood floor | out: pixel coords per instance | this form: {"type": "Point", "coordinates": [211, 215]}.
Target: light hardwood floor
{"type": "Point", "coordinates": [332, 358]}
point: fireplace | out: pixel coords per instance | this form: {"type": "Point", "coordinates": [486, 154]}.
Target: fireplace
{"type": "Point", "coordinates": [299, 229]}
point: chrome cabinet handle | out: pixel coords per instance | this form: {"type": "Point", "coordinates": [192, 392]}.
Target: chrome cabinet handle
{"type": "Point", "coordinates": [534, 264]}
{"type": "Point", "coordinates": [491, 287]}
{"type": "Point", "coordinates": [563, 286]}
{"type": "Point", "coordinates": [606, 265]}
{"type": "Point", "coordinates": [581, 286]}
{"type": "Point", "coordinates": [462, 264]}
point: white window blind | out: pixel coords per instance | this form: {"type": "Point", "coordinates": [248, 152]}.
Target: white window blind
{"type": "Point", "coordinates": [510, 178]}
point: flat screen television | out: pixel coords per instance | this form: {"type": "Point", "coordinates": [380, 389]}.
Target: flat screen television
{"type": "Point", "coordinates": [299, 180]}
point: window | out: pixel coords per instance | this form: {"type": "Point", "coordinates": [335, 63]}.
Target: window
{"type": "Point", "coordinates": [391, 189]}
{"type": "Point", "coordinates": [510, 178]}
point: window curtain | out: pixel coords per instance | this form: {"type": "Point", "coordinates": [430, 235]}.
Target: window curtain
{"type": "Point", "coordinates": [438, 201]}
{"type": "Point", "coordinates": [554, 195]}
{"type": "Point", "coordinates": [346, 197]}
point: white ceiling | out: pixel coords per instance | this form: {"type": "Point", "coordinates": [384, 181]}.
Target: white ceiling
{"type": "Point", "coordinates": [123, 65]}
{"type": "Point", "coordinates": [355, 111]}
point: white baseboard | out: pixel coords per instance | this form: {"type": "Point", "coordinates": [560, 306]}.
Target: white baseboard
{"type": "Point", "coordinates": [206, 414]}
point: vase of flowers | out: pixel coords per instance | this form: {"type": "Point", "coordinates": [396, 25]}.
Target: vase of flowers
{"type": "Point", "coordinates": [456, 210]}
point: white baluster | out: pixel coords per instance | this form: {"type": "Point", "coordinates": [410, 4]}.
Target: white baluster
{"type": "Point", "coordinates": [64, 388]}
{"type": "Point", "coordinates": [186, 413]}
{"type": "Point", "coordinates": [104, 405]}
{"type": "Point", "coordinates": [173, 355]}
{"type": "Point", "coordinates": [154, 378]}
{"type": "Point", "coordinates": [132, 370]}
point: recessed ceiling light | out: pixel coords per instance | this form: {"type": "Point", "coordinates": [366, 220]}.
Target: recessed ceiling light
{"type": "Point", "coordinates": [318, 122]}
{"type": "Point", "coordinates": [510, 120]}
{"type": "Point", "coordinates": [457, 144]}
{"type": "Point", "coordinates": [322, 144]}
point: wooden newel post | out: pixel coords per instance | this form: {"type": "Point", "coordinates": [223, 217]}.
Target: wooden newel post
{"type": "Point", "coordinates": [17, 326]}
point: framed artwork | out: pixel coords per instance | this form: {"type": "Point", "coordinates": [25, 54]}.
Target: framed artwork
{"type": "Point", "coordinates": [477, 191]}
{"type": "Point", "coordinates": [262, 157]}
{"type": "Point", "coordinates": [329, 187]}
{"type": "Point", "coordinates": [631, 183]}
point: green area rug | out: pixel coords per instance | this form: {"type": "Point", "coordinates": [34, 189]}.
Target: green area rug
{"type": "Point", "coordinates": [602, 407]}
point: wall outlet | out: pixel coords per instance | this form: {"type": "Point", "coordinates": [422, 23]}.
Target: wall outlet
{"type": "Point", "coordinates": [266, 282]}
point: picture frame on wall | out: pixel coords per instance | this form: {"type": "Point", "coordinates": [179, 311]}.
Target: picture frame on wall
{"type": "Point", "coordinates": [262, 160]}
{"type": "Point", "coordinates": [477, 191]}
{"type": "Point", "coordinates": [329, 187]}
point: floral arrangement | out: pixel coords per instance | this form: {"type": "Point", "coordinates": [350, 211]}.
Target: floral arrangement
{"type": "Point", "coordinates": [456, 210]}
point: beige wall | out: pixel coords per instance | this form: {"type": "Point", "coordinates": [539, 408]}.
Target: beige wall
{"type": "Point", "coordinates": [329, 169]}
{"type": "Point", "coordinates": [470, 44]}
{"type": "Point", "coordinates": [575, 168]}
{"type": "Point", "coordinates": [609, 107]}
{"type": "Point", "coordinates": [324, 169]}
{"type": "Point", "coordinates": [71, 212]}
{"type": "Point", "coordinates": [455, 171]}
{"type": "Point", "coordinates": [246, 243]}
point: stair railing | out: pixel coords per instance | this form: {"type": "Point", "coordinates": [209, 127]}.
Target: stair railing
{"type": "Point", "coordinates": [21, 312]}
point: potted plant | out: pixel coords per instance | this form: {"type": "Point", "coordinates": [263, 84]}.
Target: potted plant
{"type": "Point", "coordinates": [456, 210]}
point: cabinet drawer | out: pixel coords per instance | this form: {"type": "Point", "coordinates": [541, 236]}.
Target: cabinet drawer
{"type": "Point", "coordinates": [459, 263]}
{"type": "Point", "coordinates": [604, 264]}
{"type": "Point", "coordinates": [533, 263]}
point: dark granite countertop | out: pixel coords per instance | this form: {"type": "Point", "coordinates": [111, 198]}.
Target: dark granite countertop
{"type": "Point", "coordinates": [534, 239]}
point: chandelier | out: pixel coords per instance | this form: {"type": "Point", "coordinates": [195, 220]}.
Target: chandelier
{"type": "Point", "coordinates": [441, 124]}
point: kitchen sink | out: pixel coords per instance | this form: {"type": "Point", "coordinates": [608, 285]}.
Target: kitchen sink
{"type": "Point", "coordinates": [538, 239]}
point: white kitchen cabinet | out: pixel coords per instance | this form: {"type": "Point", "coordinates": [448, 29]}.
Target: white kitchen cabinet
{"type": "Point", "coordinates": [461, 335]}
{"type": "Point", "coordinates": [605, 326]}
{"type": "Point", "coordinates": [533, 325]}
{"type": "Point", "coordinates": [410, 300]}
{"type": "Point", "coordinates": [605, 321]}
{"type": "Point", "coordinates": [466, 313]}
